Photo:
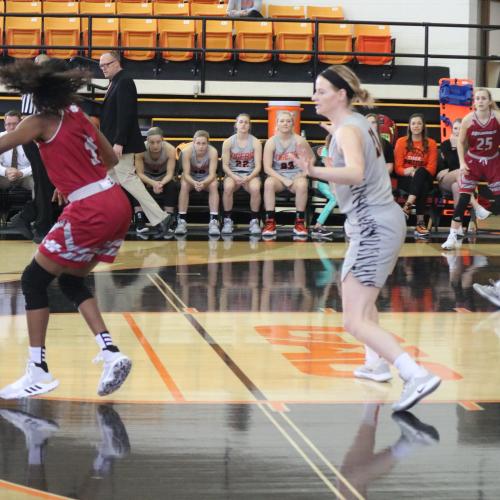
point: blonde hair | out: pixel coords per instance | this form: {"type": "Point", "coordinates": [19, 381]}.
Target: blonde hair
{"type": "Point", "coordinates": [154, 131]}
{"type": "Point", "coordinates": [201, 133]}
{"type": "Point", "coordinates": [361, 95]}
{"type": "Point", "coordinates": [285, 112]}
{"type": "Point", "coordinates": [493, 104]}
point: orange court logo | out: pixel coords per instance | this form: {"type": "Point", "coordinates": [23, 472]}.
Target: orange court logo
{"type": "Point", "coordinates": [326, 350]}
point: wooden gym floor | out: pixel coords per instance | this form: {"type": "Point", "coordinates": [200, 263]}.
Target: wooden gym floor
{"type": "Point", "coordinates": [242, 387]}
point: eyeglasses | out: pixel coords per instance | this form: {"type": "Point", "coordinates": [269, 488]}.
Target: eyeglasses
{"type": "Point", "coordinates": [105, 65]}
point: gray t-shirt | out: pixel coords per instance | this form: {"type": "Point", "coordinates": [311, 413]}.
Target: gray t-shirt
{"type": "Point", "coordinates": [242, 160]}
{"type": "Point", "coordinates": [245, 5]}
{"type": "Point", "coordinates": [375, 190]}
{"type": "Point", "coordinates": [155, 169]}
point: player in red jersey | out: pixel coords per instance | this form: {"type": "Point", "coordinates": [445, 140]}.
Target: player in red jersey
{"type": "Point", "coordinates": [90, 229]}
{"type": "Point", "coordinates": [479, 157]}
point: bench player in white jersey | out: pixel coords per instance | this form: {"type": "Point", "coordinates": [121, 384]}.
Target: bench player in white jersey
{"type": "Point", "coordinates": [199, 172]}
{"type": "Point", "coordinates": [242, 163]}
{"type": "Point", "coordinates": [280, 153]}
{"type": "Point", "coordinates": [375, 226]}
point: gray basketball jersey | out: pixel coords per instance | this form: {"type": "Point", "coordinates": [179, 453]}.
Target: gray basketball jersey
{"type": "Point", "coordinates": [375, 190]}
{"type": "Point", "coordinates": [242, 160]}
{"type": "Point", "coordinates": [283, 159]}
{"type": "Point", "coordinates": [200, 168]}
{"type": "Point", "coordinates": [155, 169]}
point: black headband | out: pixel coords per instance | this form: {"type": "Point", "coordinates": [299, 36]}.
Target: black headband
{"type": "Point", "coordinates": [336, 80]}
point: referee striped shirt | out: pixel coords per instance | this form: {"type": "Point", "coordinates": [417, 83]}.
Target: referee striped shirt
{"type": "Point", "coordinates": [27, 106]}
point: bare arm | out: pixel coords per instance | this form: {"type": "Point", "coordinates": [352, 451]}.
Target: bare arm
{"type": "Point", "coordinates": [257, 150]}
{"type": "Point", "coordinates": [212, 167]}
{"type": "Point", "coordinates": [28, 130]}
{"type": "Point", "coordinates": [170, 165]}
{"type": "Point", "coordinates": [186, 164]}
{"type": "Point", "coordinates": [462, 141]}
{"type": "Point", "coordinates": [303, 145]}
{"type": "Point", "coordinates": [139, 169]}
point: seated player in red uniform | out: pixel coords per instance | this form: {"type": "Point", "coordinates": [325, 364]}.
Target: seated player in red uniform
{"type": "Point", "coordinates": [90, 229]}
{"type": "Point", "coordinates": [477, 148]}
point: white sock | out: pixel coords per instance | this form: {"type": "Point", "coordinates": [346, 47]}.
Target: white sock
{"type": "Point", "coordinates": [37, 354]}
{"type": "Point", "coordinates": [407, 367]}
{"type": "Point", "coordinates": [371, 357]}
{"type": "Point", "coordinates": [104, 340]}
{"type": "Point", "coordinates": [453, 230]}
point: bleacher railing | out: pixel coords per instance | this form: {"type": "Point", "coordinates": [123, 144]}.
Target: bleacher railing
{"type": "Point", "coordinates": [202, 50]}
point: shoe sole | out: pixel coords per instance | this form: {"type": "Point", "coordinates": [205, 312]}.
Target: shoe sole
{"type": "Point", "coordinates": [33, 390]}
{"type": "Point", "coordinates": [120, 373]}
{"type": "Point", "coordinates": [269, 233]}
{"type": "Point", "coordinates": [428, 388]}
{"type": "Point", "coordinates": [375, 378]}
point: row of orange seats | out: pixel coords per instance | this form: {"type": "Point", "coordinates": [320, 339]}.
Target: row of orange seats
{"type": "Point", "coordinates": [185, 34]}
{"type": "Point", "coordinates": [160, 7]}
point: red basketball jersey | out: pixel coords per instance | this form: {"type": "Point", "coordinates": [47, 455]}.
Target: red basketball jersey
{"type": "Point", "coordinates": [70, 156]}
{"type": "Point", "coordinates": [483, 139]}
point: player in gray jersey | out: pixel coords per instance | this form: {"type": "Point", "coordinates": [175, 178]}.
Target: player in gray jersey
{"type": "Point", "coordinates": [375, 226]}
{"type": "Point", "coordinates": [156, 167]}
{"type": "Point", "coordinates": [242, 163]}
{"type": "Point", "coordinates": [280, 153]}
{"type": "Point", "coordinates": [199, 172]}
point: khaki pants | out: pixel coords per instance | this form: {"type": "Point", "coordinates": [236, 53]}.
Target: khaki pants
{"type": "Point", "coordinates": [125, 174]}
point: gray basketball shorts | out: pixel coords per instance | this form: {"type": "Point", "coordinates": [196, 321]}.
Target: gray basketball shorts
{"type": "Point", "coordinates": [374, 244]}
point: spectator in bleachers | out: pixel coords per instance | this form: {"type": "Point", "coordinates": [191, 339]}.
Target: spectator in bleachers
{"type": "Point", "coordinates": [199, 172]}
{"type": "Point", "coordinates": [280, 154]}
{"type": "Point", "coordinates": [448, 175]}
{"type": "Point", "coordinates": [119, 124]}
{"type": "Point", "coordinates": [387, 148]}
{"type": "Point", "coordinates": [415, 165]}
{"type": "Point", "coordinates": [244, 8]}
{"type": "Point", "coordinates": [156, 168]}
{"type": "Point", "coordinates": [242, 164]}
{"type": "Point", "coordinates": [15, 168]}
{"type": "Point", "coordinates": [319, 230]}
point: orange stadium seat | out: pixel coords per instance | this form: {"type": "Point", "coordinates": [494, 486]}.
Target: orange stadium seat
{"type": "Point", "coordinates": [373, 38]}
{"type": "Point", "coordinates": [23, 30]}
{"type": "Point", "coordinates": [293, 36]}
{"type": "Point", "coordinates": [61, 31]}
{"type": "Point", "coordinates": [254, 35]}
{"type": "Point", "coordinates": [297, 11]}
{"type": "Point", "coordinates": [314, 12]}
{"type": "Point", "coordinates": [176, 33]}
{"type": "Point", "coordinates": [104, 30]}
{"type": "Point", "coordinates": [207, 2]}
{"type": "Point", "coordinates": [140, 8]}
{"type": "Point", "coordinates": [335, 38]}
{"type": "Point", "coordinates": [207, 9]}
{"type": "Point", "coordinates": [219, 36]}
{"type": "Point", "coordinates": [138, 33]}
{"type": "Point", "coordinates": [170, 9]}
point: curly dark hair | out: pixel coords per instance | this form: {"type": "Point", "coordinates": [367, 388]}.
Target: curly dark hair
{"type": "Point", "coordinates": [52, 84]}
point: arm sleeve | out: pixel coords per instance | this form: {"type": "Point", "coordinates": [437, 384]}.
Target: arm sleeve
{"type": "Point", "coordinates": [399, 156]}
{"type": "Point", "coordinates": [27, 171]}
{"type": "Point", "coordinates": [432, 156]}
{"type": "Point", "coordinates": [388, 152]}
{"type": "Point", "coordinates": [126, 111]}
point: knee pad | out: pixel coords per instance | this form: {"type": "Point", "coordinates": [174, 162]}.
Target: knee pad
{"type": "Point", "coordinates": [459, 211]}
{"type": "Point", "coordinates": [34, 282]}
{"type": "Point", "coordinates": [74, 288]}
